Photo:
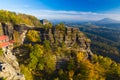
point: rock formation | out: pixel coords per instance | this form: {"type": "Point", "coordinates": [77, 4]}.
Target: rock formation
{"type": "Point", "coordinates": [71, 37]}
{"type": "Point", "coordinates": [9, 67]}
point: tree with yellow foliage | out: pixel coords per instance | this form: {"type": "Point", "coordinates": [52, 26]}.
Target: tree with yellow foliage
{"type": "Point", "coordinates": [33, 36]}
{"type": "Point", "coordinates": [80, 56]}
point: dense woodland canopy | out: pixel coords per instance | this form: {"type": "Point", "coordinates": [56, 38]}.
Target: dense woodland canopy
{"type": "Point", "coordinates": [39, 63]}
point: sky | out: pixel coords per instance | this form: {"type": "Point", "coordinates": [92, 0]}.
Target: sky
{"type": "Point", "coordinates": [65, 9]}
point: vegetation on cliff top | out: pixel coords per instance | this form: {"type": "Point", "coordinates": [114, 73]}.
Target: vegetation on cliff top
{"type": "Point", "coordinates": [18, 18]}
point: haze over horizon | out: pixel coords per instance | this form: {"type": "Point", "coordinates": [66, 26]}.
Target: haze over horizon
{"type": "Point", "coordinates": [65, 9]}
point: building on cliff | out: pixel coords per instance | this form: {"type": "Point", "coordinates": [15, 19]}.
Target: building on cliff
{"type": "Point", "coordinates": [44, 21]}
{"type": "Point", "coordinates": [9, 67]}
{"type": "Point", "coordinates": [4, 41]}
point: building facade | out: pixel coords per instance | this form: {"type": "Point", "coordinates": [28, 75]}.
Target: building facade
{"type": "Point", "coordinates": [4, 41]}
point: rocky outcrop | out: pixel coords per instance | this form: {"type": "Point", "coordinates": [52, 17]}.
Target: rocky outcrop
{"type": "Point", "coordinates": [9, 67]}
{"type": "Point", "coordinates": [1, 29]}
{"type": "Point", "coordinates": [14, 32]}
{"type": "Point", "coordinates": [7, 29]}
{"type": "Point", "coordinates": [71, 37]}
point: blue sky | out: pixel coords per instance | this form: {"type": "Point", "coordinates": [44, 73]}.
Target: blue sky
{"type": "Point", "coordinates": [65, 9]}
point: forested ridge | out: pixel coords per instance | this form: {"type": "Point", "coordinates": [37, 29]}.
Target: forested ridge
{"type": "Point", "coordinates": [18, 18]}
{"type": "Point", "coordinates": [48, 52]}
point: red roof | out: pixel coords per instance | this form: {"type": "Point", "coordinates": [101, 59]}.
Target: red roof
{"type": "Point", "coordinates": [3, 37]}
{"type": "Point", "coordinates": [4, 44]}
{"type": "Point", "coordinates": [11, 41]}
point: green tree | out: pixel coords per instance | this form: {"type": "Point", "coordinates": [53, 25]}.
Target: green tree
{"type": "Point", "coordinates": [33, 36]}
{"type": "Point", "coordinates": [25, 70]}
{"type": "Point", "coordinates": [60, 26]}
{"type": "Point", "coordinates": [71, 65]}
{"type": "Point", "coordinates": [1, 52]}
{"type": "Point", "coordinates": [47, 46]}
{"type": "Point", "coordinates": [47, 26]}
{"type": "Point", "coordinates": [35, 55]}
{"type": "Point", "coordinates": [50, 61]}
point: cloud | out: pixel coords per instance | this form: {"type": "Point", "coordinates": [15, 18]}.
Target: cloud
{"type": "Point", "coordinates": [68, 15]}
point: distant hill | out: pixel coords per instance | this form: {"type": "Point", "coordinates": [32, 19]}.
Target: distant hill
{"type": "Point", "coordinates": [107, 21]}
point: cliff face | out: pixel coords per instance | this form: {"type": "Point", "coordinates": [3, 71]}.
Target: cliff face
{"type": "Point", "coordinates": [71, 37]}
{"type": "Point", "coordinates": [9, 67]}
{"type": "Point", "coordinates": [14, 32]}
{"type": "Point", "coordinates": [6, 29]}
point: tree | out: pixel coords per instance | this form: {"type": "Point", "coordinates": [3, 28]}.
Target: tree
{"type": "Point", "coordinates": [83, 71]}
{"type": "Point", "coordinates": [80, 56]}
{"type": "Point", "coordinates": [50, 61]}
{"type": "Point", "coordinates": [1, 52]}
{"type": "Point", "coordinates": [71, 65]}
{"type": "Point", "coordinates": [25, 70]}
{"type": "Point", "coordinates": [35, 56]}
{"type": "Point", "coordinates": [47, 26]}
{"type": "Point", "coordinates": [33, 36]}
{"type": "Point", "coordinates": [60, 26]}
{"type": "Point", "coordinates": [47, 46]}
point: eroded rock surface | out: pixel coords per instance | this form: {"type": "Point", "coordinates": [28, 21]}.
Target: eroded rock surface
{"type": "Point", "coordinates": [9, 67]}
{"type": "Point", "coordinates": [71, 37]}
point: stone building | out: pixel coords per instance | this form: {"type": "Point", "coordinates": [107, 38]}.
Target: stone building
{"type": "Point", "coordinates": [44, 21]}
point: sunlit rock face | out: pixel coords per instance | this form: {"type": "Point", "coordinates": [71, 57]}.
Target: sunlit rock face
{"type": "Point", "coordinates": [9, 67]}
{"type": "Point", "coordinates": [71, 37]}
